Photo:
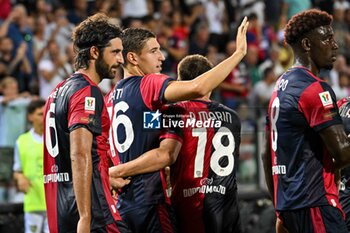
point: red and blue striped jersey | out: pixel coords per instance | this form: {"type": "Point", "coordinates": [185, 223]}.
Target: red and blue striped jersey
{"type": "Point", "coordinates": [74, 103]}
{"type": "Point", "coordinates": [203, 178]}
{"type": "Point", "coordinates": [136, 128]}
{"type": "Point", "coordinates": [303, 171]}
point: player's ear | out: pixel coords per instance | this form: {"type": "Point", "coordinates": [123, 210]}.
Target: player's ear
{"type": "Point", "coordinates": [94, 52]}
{"type": "Point", "coordinates": [132, 58]}
{"type": "Point", "coordinates": [306, 44]}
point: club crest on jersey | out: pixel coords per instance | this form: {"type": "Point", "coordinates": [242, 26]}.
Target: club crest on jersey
{"type": "Point", "coordinates": [326, 99]}
{"type": "Point", "coordinates": [90, 105]}
{"type": "Point", "coordinates": [151, 120]}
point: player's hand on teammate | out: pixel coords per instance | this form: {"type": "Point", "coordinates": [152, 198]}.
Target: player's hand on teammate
{"type": "Point", "coordinates": [118, 182]}
{"type": "Point", "coordinates": [241, 38]}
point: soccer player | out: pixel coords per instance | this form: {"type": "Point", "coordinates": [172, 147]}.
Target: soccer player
{"type": "Point", "coordinates": [135, 126]}
{"type": "Point", "coordinates": [344, 190]}
{"type": "Point", "coordinates": [203, 177]}
{"type": "Point", "coordinates": [75, 138]}
{"type": "Point", "coordinates": [28, 170]}
{"type": "Point", "coordinates": [305, 139]}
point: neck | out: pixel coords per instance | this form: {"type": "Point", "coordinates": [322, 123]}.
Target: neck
{"type": "Point", "coordinates": [303, 59]}
{"type": "Point", "coordinates": [91, 73]}
{"type": "Point", "coordinates": [131, 70]}
{"type": "Point", "coordinates": [205, 98]}
{"type": "Point", "coordinates": [38, 131]}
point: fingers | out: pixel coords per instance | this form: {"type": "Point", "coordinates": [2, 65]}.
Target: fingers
{"type": "Point", "coordinates": [244, 25]}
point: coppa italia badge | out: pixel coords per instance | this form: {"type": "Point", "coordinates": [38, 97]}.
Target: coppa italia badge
{"type": "Point", "coordinates": [90, 105]}
{"type": "Point", "coordinates": [326, 99]}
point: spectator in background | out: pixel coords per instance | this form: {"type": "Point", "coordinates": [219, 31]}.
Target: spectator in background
{"type": "Point", "coordinates": [235, 89]}
{"type": "Point", "coordinates": [340, 65]}
{"type": "Point", "coordinates": [79, 12]}
{"type": "Point", "coordinates": [40, 38]}
{"type": "Point", "coordinates": [16, 27]}
{"type": "Point", "coordinates": [272, 61]}
{"type": "Point", "coordinates": [218, 23]}
{"type": "Point", "coordinates": [342, 89]}
{"type": "Point", "coordinates": [292, 7]}
{"type": "Point", "coordinates": [60, 29]}
{"type": "Point", "coordinates": [262, 92]}
{"type": "Point", "coordinates": [52, 69]}
{"type": "Point", "coordinates": [136, 8]}
{"type": "Point", "coordinates": [194, 15]}
{"type": "Point", "coordinates": [200, 41]}
{"type": "Point", "coordinates": [12, 112]}
{"type": "Point", "coordinates": [165, 11]}
{"type": "Point", "coordinates": [341, 31]}
{"type": "Point", "coordinates": [251, 60]}
{"type": "Point", "coordinates": [16, 62]}
{"type": "Point", "coordinates": [5, 6]}
{"type": "Point", "coordinates": [28, 170]}
{"type": "Point", "coordinates": [174, 47]}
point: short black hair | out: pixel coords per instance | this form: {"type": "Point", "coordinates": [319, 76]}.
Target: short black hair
{"type": "Point", "coordinates": [134, 40]}
{"type": "Point", "coordinates": [34, 105]}
{"type": "Point", "coordinates": [192, 66]}
{"type": "Point", "coordinates": [304, 22]}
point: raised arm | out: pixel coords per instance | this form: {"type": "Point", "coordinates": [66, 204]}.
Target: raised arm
{"type": "Point", "coordinates": [80, 145]}
{"type": "Point", "coordinates": [205, 83]}
{"type": "Point", "coordinates": [150, 161]}
{"type": "Point", "coordinates": [338, 145]}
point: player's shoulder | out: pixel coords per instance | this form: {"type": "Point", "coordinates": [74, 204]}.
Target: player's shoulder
{"type": "Point", "coordinates": [77, 81]}
{"type": "Point", "coordinates": [155, 75]}
{"type": "Point", "coordinates": [300, 74]}
{"type": "Point", "coordinates": [344, 102]}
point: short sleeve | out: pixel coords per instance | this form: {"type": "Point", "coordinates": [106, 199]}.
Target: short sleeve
{"type": "Point", "coordinates": [172, 113]}
{"type": "Point", "coordinates": [152, 90]}
{"type": "Point", "coordinates": [17, 161]}
{"type": "Point", "coordinates": [319, 106]}
{"type": "Point", "coordinates": [85, 110]}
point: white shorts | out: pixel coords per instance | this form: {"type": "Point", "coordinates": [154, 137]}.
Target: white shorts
{"type": "Point", "coordinates": [36, 222]}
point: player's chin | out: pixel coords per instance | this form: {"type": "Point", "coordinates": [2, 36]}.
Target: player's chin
{"type": "Point", "coordinates": [328, 66]}
{"type": "Point", "coordinates": [110, 75]}
{"type": "Point", "coordinates": [158, 69]}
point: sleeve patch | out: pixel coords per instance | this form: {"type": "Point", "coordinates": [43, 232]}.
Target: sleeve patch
{"type": "Point", "coordinates": [90, 105]}
{"type": "Point", "coordinates": [326, 99]}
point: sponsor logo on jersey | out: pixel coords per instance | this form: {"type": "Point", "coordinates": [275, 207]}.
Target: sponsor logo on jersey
{"type": "Point", "coordinates": [279, 170]}
{"type": "Point", "coordinates": [151, 120]}
{"type": "Point", "coordinates": [204, 189]}
{"type": "Point", "coordinates": [326, 99]}
{"type": "Point", "coordinates": [90, 105]}
{"type": "Point", "coordinates": [56, 177]}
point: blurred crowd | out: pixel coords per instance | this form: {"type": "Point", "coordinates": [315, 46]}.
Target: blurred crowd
{"type": "Point", "coordinates": [36, 52]}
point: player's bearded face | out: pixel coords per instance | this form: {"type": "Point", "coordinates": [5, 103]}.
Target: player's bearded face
{"type": "Point", "coordinates": [103, 69]}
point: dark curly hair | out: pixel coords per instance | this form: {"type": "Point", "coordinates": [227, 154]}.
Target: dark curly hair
{"type": "Point", "coordinates": [192, 66]}
{"type": "Point", "coordinates": [97, 30]}
{"type": "Point", "coordinates": [134, 39]}
{"type": "Point", "coordinates": [304, 22]}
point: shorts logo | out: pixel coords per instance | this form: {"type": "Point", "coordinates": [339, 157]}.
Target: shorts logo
{"type": "Point", "coordinates": [89, 105]}
{"type": "Point", "coordinates": [54, 168]}
{"type": "Point", "coordinates": [151, 120]}
{"type": "Point", "coordinates": [326, 99]}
